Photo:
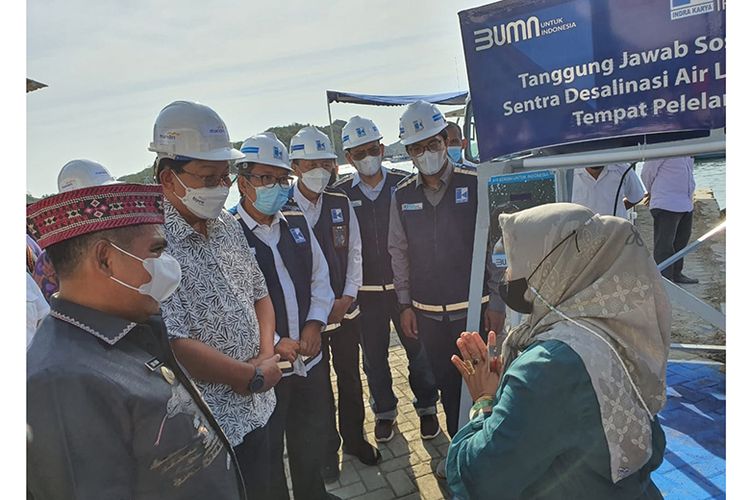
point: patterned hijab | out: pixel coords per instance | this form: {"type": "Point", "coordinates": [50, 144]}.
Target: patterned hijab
{"type": "Point", "coordinates": [612, 310]}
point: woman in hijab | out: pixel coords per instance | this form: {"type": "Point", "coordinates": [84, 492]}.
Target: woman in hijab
{"type": "Point", "coordinates": [583, 377]}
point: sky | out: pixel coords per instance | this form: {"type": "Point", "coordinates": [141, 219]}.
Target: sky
{"type": "Point", "coordinates": [111, 66]}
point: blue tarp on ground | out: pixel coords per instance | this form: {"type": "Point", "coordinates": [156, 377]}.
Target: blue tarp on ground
{"type": "Point", "coordinates": [450, 98]}
{"type": "Point", "coordinates": [694, 422]}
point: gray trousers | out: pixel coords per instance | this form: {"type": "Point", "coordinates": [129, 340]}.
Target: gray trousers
{"type": "Point", "coordinates": [671, 234]}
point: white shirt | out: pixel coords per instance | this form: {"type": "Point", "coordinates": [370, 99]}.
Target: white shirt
{"type": "Point", "coordinates": [321, 300]}
{"type": "Point", "coordinates": [354, 258]}
{"type": "Point", "coordinates": [372, 193]}
{"type": "Point", "coordinates": [36, 308]}
{"type": "Point", "coordinates": [599, 194]}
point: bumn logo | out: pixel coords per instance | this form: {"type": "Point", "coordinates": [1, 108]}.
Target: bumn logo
{"type": "Point", "coordinates": [687, 8]}
{"type": "Point", "coordinates": [505, 34]}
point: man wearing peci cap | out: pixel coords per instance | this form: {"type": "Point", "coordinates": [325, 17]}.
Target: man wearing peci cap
{"type": "Point", "coordinates": [431, 241]}
{"type": "Point", "coordinates": [334, 224]}
{"type": "Point", "coordinates": [370, 190]}
{"type": "Point", "coordinates": [220, 321]}
{"type": "Point", "coordinates": [296, 274]}
{"type": "Point", "coordinates": [111, 413]}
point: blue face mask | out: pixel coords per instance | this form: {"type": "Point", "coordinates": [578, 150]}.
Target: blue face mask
{"type": "Point", "coordinates": [268, 200]}
{"type": "Point", "coordinates": [454, 153]}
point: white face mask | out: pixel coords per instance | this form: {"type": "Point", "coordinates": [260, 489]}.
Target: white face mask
{"type": "Point", "coordinates": [205, 202]}
{"type": "Point", "coordinates": [316, 179]}
{"type": "Point", "coordinates": [430, 163]}
{"type": "Point", "coordinates": [368, 166]}
{"type": "Point", "coordinates": [165, 275]}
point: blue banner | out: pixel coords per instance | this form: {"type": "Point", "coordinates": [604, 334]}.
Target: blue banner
{"type": "Point", "coordinates": [550, 72]}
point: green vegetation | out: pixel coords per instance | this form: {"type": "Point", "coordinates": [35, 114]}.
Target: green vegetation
{"type": "Point", "coordinates": [284, 133]}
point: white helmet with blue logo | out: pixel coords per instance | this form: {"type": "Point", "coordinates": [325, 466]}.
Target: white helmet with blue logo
{"type": "Point", "coordinates": [311, 144]}
{"type": "Point", "coordinates": [266, 149]}
{"type": "Point", "coordinates": [186, 130]}
{"type": "Point", "coordinates": [358, 131]}
{"type": "Point", "coordinates": [420, 121]}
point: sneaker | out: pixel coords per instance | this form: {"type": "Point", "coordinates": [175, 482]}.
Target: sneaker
{"type": "Point", "coordinates": [440, 470]}
{"type": "Point", "coordinates": [682, 279]}
{"type": "Point", "coordinates": [384, 430]}
{"type": "Point", "coordinates": [429, 427]}
{"type": "Point", "coordinates": [366, 453]}
{"type": "Point", "coordinates": [330, 471]}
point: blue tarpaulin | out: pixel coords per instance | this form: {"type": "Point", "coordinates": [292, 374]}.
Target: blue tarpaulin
{"type": "Point", "coordinates": [449, 98]}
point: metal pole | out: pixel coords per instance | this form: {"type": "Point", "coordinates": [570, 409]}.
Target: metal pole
{"type": "Point", "coordinates": [671, 260]}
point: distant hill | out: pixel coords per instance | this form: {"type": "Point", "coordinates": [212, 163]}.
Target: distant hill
{"type": "Point", "coordinates": [284, 133]}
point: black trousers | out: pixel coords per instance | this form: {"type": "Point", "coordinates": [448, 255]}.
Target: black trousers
{"type": "Point", "coordinates": [253, 456]}
{"type": "Point", "coordinates": [439, 339]}
{"type": "Point", "coordinates": [302, 413]}
{"type": "Point", "coordinates": [342, 345]}
{"type": "Point", "coordinates": [671, 234]}
{"type": "Point", "coordinates": [378, 310]}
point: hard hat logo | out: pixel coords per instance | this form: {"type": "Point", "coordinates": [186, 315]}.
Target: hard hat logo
{"type": "Point", "coordinates": [277, 154]}
{"type": "Point", "coordinates": [192, 131]}
{"type": "Point", "coordinates": [320, 146]}
{"type": "Point", "coordinates": [421, 120]}
{"type": "Point", "coordinates": [361, 132]}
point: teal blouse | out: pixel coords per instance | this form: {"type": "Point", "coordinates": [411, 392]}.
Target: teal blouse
{"type": "Point", "coordinates": [544, 437]}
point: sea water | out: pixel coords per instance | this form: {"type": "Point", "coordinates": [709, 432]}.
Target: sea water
{"type": "Point", "coordinates": [709, 173]}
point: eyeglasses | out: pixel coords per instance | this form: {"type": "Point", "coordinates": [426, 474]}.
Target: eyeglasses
{"type": "Point", "coordinates": [268, 180]}
{"type": "Point", "coordinates": [360, 154]}
{"type": "Point", "coordinates": [416, 150]}
{"type": "Point", "coordinates": [212, 180]}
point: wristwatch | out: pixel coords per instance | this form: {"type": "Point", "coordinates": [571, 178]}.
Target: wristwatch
{"type": "Point", "coordinates": [403, 307]}
{"type": "Point", "coordinates": [256, 383]}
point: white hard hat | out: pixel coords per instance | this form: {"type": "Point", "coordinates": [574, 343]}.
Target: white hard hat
{"type": "Point", "coordinates": [311, 144]}
{"type": "Point", "coordinates": [77, 174]}
{"type": "Point", "coordinates": [420, 121]}
{"type": "Point", "coordinates": [266, 149]}
{"type": "Point", "coordinates": [358, 131]}
{"type": "Point", "coordinates": [191, 131]}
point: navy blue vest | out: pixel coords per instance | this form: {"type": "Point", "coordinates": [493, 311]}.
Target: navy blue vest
{"type": "Point", "coordinates": [374, 218]}
{"type": "Point", "coordinates": [296, 253]}
{"type": "Point", "coordinates": [440, 238]}
{"type": "Point", "coordinates": [332, 232]}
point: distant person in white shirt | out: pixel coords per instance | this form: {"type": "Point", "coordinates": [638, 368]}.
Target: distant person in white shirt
{"type": "Point", "coordinates": [671, 184]}
{"type": "Point", "coordinates": [596, 188]}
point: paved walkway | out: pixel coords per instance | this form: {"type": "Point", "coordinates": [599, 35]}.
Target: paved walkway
{"type": "Point", "coordinates": [408, 462]}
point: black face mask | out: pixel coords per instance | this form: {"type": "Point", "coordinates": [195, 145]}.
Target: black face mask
{"type": "Point", "coordinates": [513, 294]}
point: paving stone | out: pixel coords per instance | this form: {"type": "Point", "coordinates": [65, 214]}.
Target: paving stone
{"type": "Point", "coordinates": [373, 478]}
{"type": "Point", "coordinates": [400, 483]}
{"type": "Point", "coordinates": [429, 489]}
{"type": "Point", "coordinates": [381, 494]}
{"type": "Point", "coordinates": [350, 491]}
{"type": "Point", "coordinates": [348, 475]}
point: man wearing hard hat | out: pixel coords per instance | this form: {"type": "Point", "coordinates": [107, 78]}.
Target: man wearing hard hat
{"type": "Point", "coordinates": [75, 174]}
{"type": "Point", "coordinates": [335, 226]}
{"type": "Point", "coordinates": [431, 240]}
{"type": "Point", "coordinates": [296, 274]}
{"type": "Point", "coordinates": [220, 320]}
{"type": "Point", "coordinates": [370, 190]}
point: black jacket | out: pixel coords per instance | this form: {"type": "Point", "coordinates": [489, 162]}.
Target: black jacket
{"type": "Point", "coordinates": [112, 415]}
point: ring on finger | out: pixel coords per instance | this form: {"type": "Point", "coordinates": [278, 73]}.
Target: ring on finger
{"type": "Point", "coordinates": [469, 367]}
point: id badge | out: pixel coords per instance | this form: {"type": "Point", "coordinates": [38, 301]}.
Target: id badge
{"type": "Point", "coordinates": [340, 236]}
